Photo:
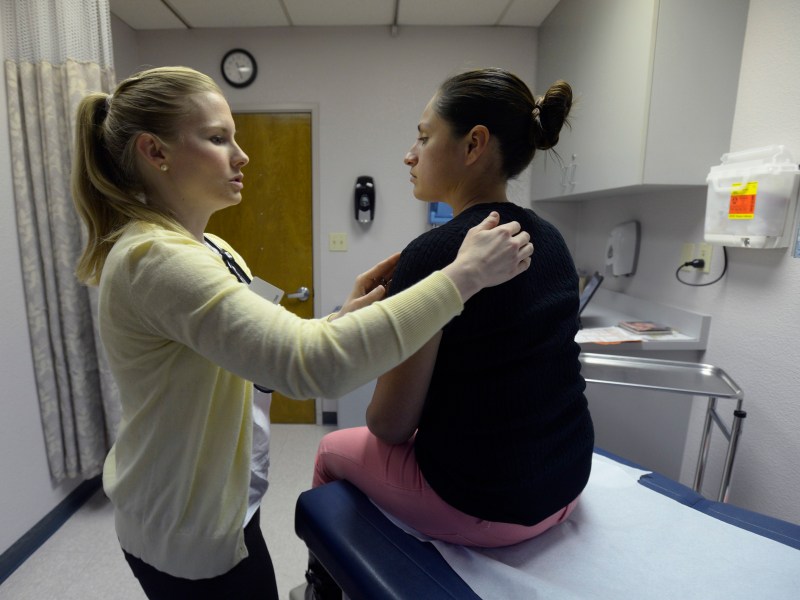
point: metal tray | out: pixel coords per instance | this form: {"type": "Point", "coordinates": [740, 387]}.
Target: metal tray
{"type": "Point", "coordinates": [694, 379]}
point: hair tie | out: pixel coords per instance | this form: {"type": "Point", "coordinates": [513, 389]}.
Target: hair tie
{"type": "Point", "coordinates": [104, 108]}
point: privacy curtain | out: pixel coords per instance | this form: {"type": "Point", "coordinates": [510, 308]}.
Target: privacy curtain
{"type": "Point", "coordinates": [55, 52]}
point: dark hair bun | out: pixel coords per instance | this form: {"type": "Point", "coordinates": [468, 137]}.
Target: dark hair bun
{"type": "Point", "coordinates": [550, 115]}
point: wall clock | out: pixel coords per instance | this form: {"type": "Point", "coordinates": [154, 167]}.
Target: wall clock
{"type": "Point", "coordinates": [239, 68]}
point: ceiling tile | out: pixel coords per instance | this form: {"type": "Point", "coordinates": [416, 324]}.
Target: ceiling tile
{"type": "Point", "coordinates": [145, 14]}
{"type": "Point", "coordinates": [160, 14]}
{"type": "Point", "coordinates": [230, 13]}
{"type": "Point", "coordinates": [450, 12]}
{"type": "Point", "coordinates": [340, 12]}
{"type": "Point", "coordinates": [528, 13]}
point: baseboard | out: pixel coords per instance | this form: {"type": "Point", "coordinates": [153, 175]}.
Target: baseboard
{"type": "Point", "coordinates": [25, 546]}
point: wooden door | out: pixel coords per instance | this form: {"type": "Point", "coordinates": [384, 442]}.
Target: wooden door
{"type": "Point", "coordinates": [272, 227]}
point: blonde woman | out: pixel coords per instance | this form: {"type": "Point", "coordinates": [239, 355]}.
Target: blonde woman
{"type": "Point", "coordinates": [186, 337]}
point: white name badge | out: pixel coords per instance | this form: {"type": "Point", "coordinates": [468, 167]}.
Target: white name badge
{"type": "Point", "coordinates": [266, 290]}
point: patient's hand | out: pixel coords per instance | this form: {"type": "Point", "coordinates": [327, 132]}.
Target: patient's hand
{"type": "Point", "coordinates": [370, 286]}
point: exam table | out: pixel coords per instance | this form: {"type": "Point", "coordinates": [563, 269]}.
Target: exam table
{"type": "Point", "coordinates": [672, 529]}
{"type": "Point", "coordinates": [372, 558]}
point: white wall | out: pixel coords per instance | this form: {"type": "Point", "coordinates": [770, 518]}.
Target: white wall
{"type": "Point", "coordinates": [27, 492]}
{"type": "Point", "coordinates": [757, 313]}
{"type": "Point", "coordinates": [755, 326]}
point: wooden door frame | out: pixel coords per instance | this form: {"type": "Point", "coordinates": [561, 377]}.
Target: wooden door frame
{"type": "Point", "coordinates": [316, 258]}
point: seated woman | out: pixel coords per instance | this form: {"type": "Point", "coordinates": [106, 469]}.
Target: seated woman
{"type": "Point", "coordinates": [483, 437]}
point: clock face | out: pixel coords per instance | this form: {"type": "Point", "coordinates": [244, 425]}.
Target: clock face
{"type": "Point", "coordinates": [239, 68]}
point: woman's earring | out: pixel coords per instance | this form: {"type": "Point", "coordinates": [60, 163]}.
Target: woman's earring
{"type": "Point", "coordinates": [164, 167]}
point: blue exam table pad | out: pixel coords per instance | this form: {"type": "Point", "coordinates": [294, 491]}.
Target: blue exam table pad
{"type": "Point", "coordinates": [704, 549]}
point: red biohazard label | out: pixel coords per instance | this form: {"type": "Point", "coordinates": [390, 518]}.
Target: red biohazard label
{"type": "Point", "coordinates": [743, 200]}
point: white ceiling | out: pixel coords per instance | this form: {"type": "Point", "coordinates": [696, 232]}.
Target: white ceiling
{"type": "Point", "coordinates": [192, 14]}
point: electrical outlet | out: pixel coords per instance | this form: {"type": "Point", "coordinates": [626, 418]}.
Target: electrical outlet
{"type": "Point", "coordinates": [337, 242]}
{"type": "Point", "coordinates": [687, 254]}
{"type": "Point", "coordinates": [704, 252]}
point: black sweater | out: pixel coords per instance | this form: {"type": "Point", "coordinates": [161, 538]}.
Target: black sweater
{"type": "Point", "coordinates": [505, 434]}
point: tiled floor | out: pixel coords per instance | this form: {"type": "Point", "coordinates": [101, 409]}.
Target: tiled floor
{"type": "Point", "coordinates": [83, 561]}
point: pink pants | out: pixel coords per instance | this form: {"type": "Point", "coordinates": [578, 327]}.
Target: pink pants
{"type": "Point", "coordinates": [390, 476]}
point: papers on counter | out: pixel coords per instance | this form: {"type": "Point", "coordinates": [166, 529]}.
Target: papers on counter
{"type": "Point", "coordinates": [645, 327]}
{"type": "Point", "coordinates": [617, 335]}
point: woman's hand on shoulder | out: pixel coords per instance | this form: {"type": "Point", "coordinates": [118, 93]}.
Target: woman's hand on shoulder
{"type": "Point", "coordinates": [490, 254]}
{"type": "Point", "coordinates": [370, 286]}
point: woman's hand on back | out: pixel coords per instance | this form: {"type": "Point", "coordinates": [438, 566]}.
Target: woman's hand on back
{"type": "Point", "coordinates": [490, 254]}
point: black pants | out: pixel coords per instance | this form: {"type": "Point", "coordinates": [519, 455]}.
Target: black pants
{"type": "Point", "coordinates": [253, 578]}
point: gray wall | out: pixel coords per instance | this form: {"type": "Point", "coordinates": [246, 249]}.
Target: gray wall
{"type": "Point", "coordinates": [755, 326]}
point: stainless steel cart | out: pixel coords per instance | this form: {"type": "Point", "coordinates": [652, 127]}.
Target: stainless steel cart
{"type": "Point", "coordinates": [687, 378]}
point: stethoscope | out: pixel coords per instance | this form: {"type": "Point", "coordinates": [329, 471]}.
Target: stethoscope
{"type": "Point", "coordinates": [229, 261]}
{"type": "Point", "coordinates": [237, 272]}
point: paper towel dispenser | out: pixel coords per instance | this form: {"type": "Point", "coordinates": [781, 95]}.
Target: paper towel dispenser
{"type": "Point", "coordinates": [622, 251]}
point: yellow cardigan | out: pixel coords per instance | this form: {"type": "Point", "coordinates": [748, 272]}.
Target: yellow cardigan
{"type": "Point", "coordinates": [184, 340]}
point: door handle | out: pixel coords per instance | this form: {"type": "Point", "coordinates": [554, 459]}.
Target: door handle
{"type": "Point", "coordinates": [302, 294]}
